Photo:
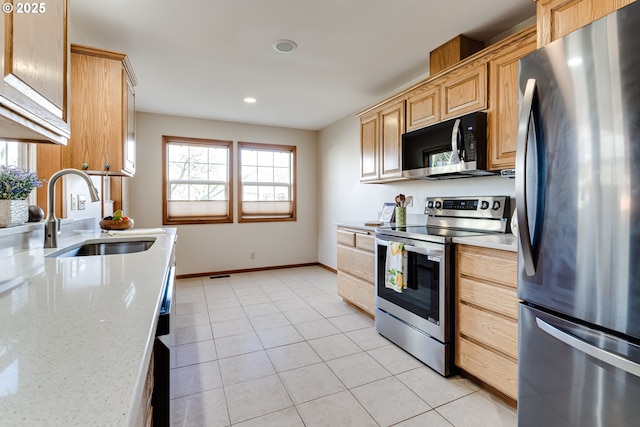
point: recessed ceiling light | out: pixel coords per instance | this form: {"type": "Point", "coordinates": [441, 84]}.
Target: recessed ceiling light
{"type": "Point", "coordinates": [284, 46]}
{"type": "Point", "coordinates": [249, 100]}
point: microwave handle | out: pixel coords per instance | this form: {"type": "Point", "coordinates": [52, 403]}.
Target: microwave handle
{"type": "Point", "coordinates": [455, 136]}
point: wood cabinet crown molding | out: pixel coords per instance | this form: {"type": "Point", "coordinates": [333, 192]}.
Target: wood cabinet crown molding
{"type": "Point", "coordinates": [485, 81]}
{"type": "Point", "coordinates": [484, 55]}
{"type": "Point", "coordinates": [557, 18]}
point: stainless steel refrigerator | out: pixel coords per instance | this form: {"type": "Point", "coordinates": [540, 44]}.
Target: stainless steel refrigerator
{"type": "Point", "coordinates": [578, 208]}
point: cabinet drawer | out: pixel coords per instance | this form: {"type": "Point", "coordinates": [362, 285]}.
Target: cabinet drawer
{"type": "Point", "coordinates": [492, 368]}
{"type": "Point", "coordinates": [489, 264]}
{"type": "Point", "coordinates": [489, 329]}
{"type": "Point", "coordinates": [357, 263]}
{"type": "Point", "coordinates": [346, 238]}
{"type": "Point", "coordinates": [365, 242]}
{"type": "Point", "coordinates": [357, 291]}
{"type": "Point", "coordinates": [496, 298]}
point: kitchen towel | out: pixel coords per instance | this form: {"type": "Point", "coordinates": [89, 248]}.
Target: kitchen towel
{"type": "Point", "coordinates": [137, 232]}
{"type": "Point", "coordinates": [394, 272]}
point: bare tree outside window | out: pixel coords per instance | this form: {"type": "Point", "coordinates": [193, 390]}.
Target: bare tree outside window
{"type": "Point", "coordinates": [267, 182]}
{"type": "Point", "coordinates": [197, 184]}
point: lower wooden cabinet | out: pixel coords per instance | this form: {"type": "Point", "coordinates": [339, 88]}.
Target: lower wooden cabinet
{"type": "Point", "coordinates": [356, 267]}
{"type": "Point", "coordinates": [487, 316]}
{"type": "Point", "coordinates": [145, 410]}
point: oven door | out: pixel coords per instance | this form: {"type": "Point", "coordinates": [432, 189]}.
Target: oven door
{"type": "Point", "coordinates": [424, 304]}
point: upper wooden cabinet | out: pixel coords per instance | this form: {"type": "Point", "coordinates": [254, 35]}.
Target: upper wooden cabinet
{"type": "Point", "coordinates": [487, 81]}
{"type": "Point", "coordinates": [448, 95]}
{"type": "Point", "coordinates": [34, 89]}
{"type": "Point", "coordinates": [392, 123]}
{"type": "Point", "coordinates": [557, 18]}
{"type": "Point", "coordinates": [503, 112]}
{"type": "Point", "coordinates": [464, 90]}
{"type": "Point", "coordinates": [103, 112]}
{"type": "Point", "coordinates": [369, 131]}
{"type": "Point", "coordinates": [381, 142]}
{"type": "Point", "coordinates": [423, 107]}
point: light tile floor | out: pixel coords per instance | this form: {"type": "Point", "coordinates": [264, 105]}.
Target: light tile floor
{"type": "Point", "coordinates": [281, 348]}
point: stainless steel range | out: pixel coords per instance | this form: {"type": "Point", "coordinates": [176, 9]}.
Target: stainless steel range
{"type": "Point", "coordinates": [415, 274]}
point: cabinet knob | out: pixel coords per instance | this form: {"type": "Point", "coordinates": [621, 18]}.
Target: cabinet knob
{"type": "Point", "coordinates": [85, 166]}
{"type": "Point", "coordinates": [107, 166]}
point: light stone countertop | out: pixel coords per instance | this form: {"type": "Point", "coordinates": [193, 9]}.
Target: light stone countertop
{"type": "Point", "coordinates": [76, 333]}
{"type": "Point", "coordinates": [505, 242]}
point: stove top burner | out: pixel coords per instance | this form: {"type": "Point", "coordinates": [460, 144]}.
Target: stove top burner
{"type": "Point", "coordinates": [421, 232]}
{"type": "Point", "coordinates": [432, 231]}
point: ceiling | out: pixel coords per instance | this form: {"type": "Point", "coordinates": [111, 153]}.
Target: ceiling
{"type": "Point", "coordinates": [200, 58]}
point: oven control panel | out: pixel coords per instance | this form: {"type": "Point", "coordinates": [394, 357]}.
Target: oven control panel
{"type": "Point", "coordinates": [493, 207]}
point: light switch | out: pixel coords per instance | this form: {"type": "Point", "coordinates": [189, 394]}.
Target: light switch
{"type": "Point", "coordinates": [82, 202]}
{"type": "Point", "coordinates": [74, 202]}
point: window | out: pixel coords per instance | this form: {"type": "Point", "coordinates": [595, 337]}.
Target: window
{"type": "Point", "coordinates": [14, 154]}
{"type": "Point", "coordinates": [197, 181]}
{"type": "Point", "coordinates": [267, 182]}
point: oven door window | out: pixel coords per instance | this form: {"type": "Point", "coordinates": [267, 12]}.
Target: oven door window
{"type": "Point", "coordinates": [422, 276]}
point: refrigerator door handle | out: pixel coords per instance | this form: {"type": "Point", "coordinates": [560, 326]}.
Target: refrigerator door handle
{"type": "Point", "coordinates": [521, 178]}
{"type": "Point", "coordinates": [455, 135]}
{"type": "Point", "coordinates": [596, 352]}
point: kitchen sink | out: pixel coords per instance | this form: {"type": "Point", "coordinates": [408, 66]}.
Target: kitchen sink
{"type": "Point", "coordinates": [104, 247]}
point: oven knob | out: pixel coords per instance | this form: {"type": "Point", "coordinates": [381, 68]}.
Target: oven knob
{"type": "Point", "coordinates": [496, 205]}
{"type": "Point", "coordinates": [438, 205]}
{"type": "Point", "coordinates": [484, 205]}
{"type": "Point", "coordinates": [430, 204]}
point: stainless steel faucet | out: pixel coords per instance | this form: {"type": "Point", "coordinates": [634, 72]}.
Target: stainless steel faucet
{"type": "Point", "coordinates": [51, 223]}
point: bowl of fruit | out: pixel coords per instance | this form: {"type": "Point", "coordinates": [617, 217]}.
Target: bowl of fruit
{"type": "Point", "coordinates": [117, 221]}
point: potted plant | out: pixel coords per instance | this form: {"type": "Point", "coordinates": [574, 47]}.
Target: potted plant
{"type": "Point", "coordinates": [15, 186]}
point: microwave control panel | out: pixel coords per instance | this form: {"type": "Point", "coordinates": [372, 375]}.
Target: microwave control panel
{"type": "Point", "coordinates": [469, 144]}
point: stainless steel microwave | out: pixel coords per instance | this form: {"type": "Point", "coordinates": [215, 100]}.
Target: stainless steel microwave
{"type": "Point", "coordinates": [456, 148]}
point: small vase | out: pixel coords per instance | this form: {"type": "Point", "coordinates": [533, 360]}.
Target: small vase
{"type": "Point", "coordinates": [401, 215]}
{"type": "Point", "coordinates": [13, 212]}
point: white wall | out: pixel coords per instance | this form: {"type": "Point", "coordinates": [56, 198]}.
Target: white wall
{"type": "Point", "coordinates": [341, 197]}
{"type": "Point", "coordinates": [219, 247]}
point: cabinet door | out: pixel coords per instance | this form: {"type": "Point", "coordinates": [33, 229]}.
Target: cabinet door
{"type": "Point", "coordinates": [129, 150]}
{"type": "Point", "coordinates": [557, 18]}
{"type": "Point", "coordinates": [392, 120]}
{"type": "Point", "coordinates": [423, 107]}
{"type": "Point", "coordinates": [464, 90]}
{"type": "Point", "coordinates": [503, 94]}
{"type": "Point", "coordinates": [369, 131]}
{"type": "Point", "coordinates": [34, 60]}
{"type": "Point", "coordinates": [97, 113]}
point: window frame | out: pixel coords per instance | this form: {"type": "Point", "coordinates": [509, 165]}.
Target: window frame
{"type": "Point", "coordinates": [294, 179]}
{"type": "Point", "coordinates": [184, 220]}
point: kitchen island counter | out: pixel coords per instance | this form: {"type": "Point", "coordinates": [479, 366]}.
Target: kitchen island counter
{"type": "Point", "coordinates": [77, 333]}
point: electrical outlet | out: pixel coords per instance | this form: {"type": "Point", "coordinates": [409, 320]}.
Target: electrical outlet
{"type": "Point", "coordinates": [252, 255]}
{"type": "Point", "coordinates": [82, 202]}
{"type": "Point", "coordinates": [74, 202]}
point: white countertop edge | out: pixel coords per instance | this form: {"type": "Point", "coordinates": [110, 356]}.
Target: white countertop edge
{"type": "Point", "coordinates": [503, 242]}
{"type": "Point", "coordinates": [132, 414]}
